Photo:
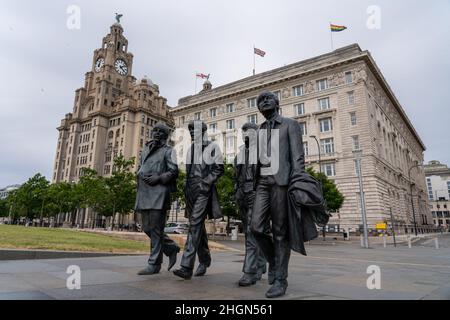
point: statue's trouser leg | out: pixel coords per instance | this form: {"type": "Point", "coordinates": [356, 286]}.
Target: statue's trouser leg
{"type": "Point", "coordinates": [168, 245]}
{"type": "Point", "coordinates": [271, 204]}
{"type": "Point", "coordinates": [197, 233]}
{"type": "Point", "coordinates": [153, 223]}
{"type": "Point", "coordinates": [253, 256]}
{"type": "Point", "coordinates": [204, 256]}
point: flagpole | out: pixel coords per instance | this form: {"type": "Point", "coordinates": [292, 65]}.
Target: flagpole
{"type": "Point", "coordinates": [253, 59]}
{"type": "Point", "coordinates": [195, 82]}
{"type": "Point", "coordinates": [331, 36]}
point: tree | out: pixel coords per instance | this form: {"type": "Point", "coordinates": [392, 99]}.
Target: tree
{"type": "Point", "coordinates": [63, 197]}
{"type": "Point", "coordinates": [4, 209]}
{"type": "Point", "coordinates": [225, 189]}
{"type": "Point", "coordinates": [119, 190]}
{"type": "Point", "coordinates": [29, 199]}
{"type": "Point", "coordinates": [332, 195]}
{"type": "Point", "coordinates": [178, 195]}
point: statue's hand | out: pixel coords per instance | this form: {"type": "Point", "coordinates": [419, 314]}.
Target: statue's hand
{"type": "Point", "coordinates": [152, 180]}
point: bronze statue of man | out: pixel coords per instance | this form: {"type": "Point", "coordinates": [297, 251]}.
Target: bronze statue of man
{"type": "Point", "coordinates": [283, 162]}
{"type": "Point", "coordinates": [156, 179]}
{"type": "Point", "coordinates": [204, 166]}
{"type": "Point", "coordinates": [245, 165]}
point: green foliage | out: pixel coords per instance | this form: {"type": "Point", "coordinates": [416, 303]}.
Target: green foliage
{"type": "Point", "coordinates": [225, 189]}
{"type": "Point", "coordinates": [333, 196]}
{"type": "Point", "coordinates": [116, 194]}
{"type": "Point", "coordinates": [179, 193]}
{"type": "Point", "coordinates": [4, 208]}
{"type": "Point", "coordinates": [29, 200]}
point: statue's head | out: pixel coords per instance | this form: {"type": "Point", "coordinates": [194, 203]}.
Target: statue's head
{"type": "Point", "coordinates": [196, 125]}
{"type": "Point", "coordinates": [160, 132]}
{"type": "Point", "coordinates": [268, 102]}
{"type": "Point", "coordinates": [246, 129]}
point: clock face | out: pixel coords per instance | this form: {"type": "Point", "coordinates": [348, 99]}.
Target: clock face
{"type": "Point", "coordinates": [99, 64]}
{"type": "Point", "coordinates": [121, 67]}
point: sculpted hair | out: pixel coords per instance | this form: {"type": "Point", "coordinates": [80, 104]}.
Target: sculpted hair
{"type": "Point", "coordinates": [268, 94]}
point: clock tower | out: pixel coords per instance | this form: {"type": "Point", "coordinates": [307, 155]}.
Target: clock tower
{"type": "Point", "coordinates": [112, 115]}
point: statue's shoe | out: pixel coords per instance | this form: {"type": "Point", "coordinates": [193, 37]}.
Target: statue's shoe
{"type": "Point", "coordinates": [201, 270]}
{"type": "Point", "coordinates": [248, 279]}
{"type": "Point", "coordinates": [278, 289]}
{"type": "Point", "coordinates": [173, 258]}
{"type": "Point", "coordinates": [184, 273]}
{"type": "Point", "coordinates": [150, 269]}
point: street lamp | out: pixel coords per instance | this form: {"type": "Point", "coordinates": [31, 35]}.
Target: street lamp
{"type": "Point", "coordinates": [411, 194]}
{"type": "Point", "coordinates": [358, 154]}
{"type": "Point", "coordinates": [320, 174]}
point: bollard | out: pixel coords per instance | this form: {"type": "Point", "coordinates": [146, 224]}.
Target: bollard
{"type": "Point", "coordinates": [384, 240]}
{"type": "Point", "coordinates": [409, 242]}
{"type": "Point", "coordinates": [436, 242]}
{"type": "Point", "coordinates": [362, 241]}
{"type": "Point", "coordinates": [234, 234]}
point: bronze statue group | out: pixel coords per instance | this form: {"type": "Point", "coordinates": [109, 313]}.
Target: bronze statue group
{"type": "Point", "coordinates": [279, 208]}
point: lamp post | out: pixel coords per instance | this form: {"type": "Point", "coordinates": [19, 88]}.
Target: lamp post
{"type": "Point", "coordinates": [411, 194]}
{"type": "Point", "coordinates": [320, 174]}
{"type": "Point", "coordinates": [358, 154]}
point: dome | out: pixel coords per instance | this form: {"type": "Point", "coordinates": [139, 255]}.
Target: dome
{"type": "Point", "coordinates": [146, 80]}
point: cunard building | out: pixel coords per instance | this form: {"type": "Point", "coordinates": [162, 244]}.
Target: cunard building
{"type": "Point", "coordinates": [112, 115]}
{"type": "Point", "coordinates": [344, 106]}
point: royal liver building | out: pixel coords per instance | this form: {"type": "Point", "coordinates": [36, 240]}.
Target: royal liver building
{"type": "Point", "coordinates": [112, 114]}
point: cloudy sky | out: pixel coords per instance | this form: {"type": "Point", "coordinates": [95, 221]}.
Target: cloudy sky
{"type": "Point", "coordinates": [43, 61]}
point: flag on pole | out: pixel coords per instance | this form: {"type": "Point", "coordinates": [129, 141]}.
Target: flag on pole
{"type": "Point", "coordinates": [259, 52]}
{"type": "Point", "coordinates": [202, 75]}
{"type": "Point", "coordinates": [336, 28]}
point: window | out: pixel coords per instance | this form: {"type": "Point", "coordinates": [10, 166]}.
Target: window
{"type": "Point", "coordinates": [230, 107]}
{"type": "Point", "coordinates": [348, 77]}
{"type": "Point", "coordinates": [182, 120]}
{"type": "Point", "coordinates": [213, 112]}
{"type": "Point", "coordinates": [107, 169]}
{"type": "Point", "coordinates": [213, 127]}
{"type": "Point", "coordinates": [305, 148]}
{"type": "Point", "coordinates": [327, 145]}
{"type": "Point", "coordinates": [326, 125]}
{"type": "Point", "coordinates": [303, 128]}
{"type": "Point", "coordinates": [230, 124]}
{"type": "Point", "coordinates": [329, 169]}
{"type": "Point", "coordinates": [253, 118]}
{"type": "Point", "coordinates": [350, 97]}
{"type": "Point", "coordinates": [298, 91]}
{"type": "Point", "coordinates": [355, 142]}
{"type": "Point", "coordinates": [321, 84]}
{"type": "Point", "coordinates": [197, 115]}
{"type": "Point", "coordinates": [299, 109]}
{"type": "Point", "coordinates": [251, 103]}
{"type": "Point", "coordinates": [230, 143]}
{"type": "Point", "coordinates": [353, 118]}
{"type": "Point", "coordinates": [324, 103]}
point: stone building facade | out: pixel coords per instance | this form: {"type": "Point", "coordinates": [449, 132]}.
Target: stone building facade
{"type": "Point", "coordinates": [343, 100]}
{"type": "Point", "coordinates": [112, 115]}
{"type": "Point", "coordinates": [438, 186]}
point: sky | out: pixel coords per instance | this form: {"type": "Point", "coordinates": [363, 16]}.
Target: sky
{"type": "Point", "coordinates": [43, 58]}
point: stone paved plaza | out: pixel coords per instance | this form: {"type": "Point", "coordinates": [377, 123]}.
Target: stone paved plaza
{"type": "Point", "coordinates": [332, 270]}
